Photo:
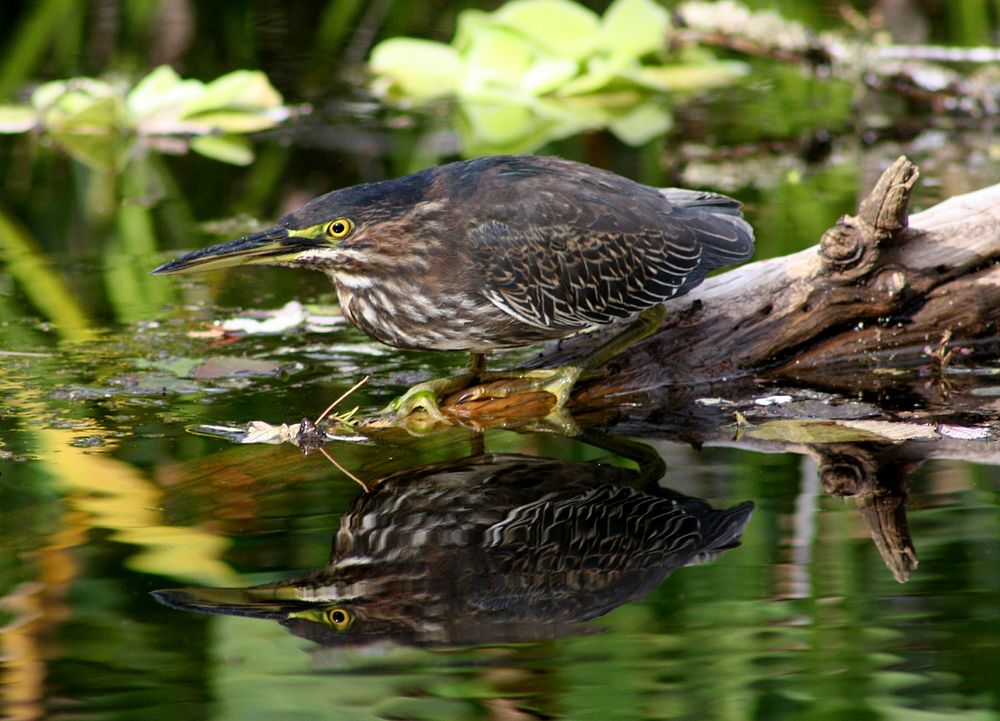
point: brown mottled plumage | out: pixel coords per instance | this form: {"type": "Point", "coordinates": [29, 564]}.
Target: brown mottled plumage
{"type": "Point", "coordinates": [498, 252]}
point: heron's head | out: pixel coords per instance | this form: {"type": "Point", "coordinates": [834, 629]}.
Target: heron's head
{"type": "Point", "coordinates": [344, 229]}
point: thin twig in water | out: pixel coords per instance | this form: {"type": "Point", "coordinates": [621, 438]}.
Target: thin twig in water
{"type": "Point", "coordinates": [310, 435]}
{"type": "Point", "coordinates": [343, 470]}
{"type": "Point", "coordinates": [343, 395]}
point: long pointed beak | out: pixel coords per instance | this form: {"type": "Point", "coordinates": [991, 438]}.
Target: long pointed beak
{"type": "Point", "coordinates": [267, 247]}
{"type": "Point", "coordinates": [274, 602]}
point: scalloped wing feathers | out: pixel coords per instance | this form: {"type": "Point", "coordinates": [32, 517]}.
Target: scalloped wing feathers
{"type": "Point", "coordinates": [570, 247]}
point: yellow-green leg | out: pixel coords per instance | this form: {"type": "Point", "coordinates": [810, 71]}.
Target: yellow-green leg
{"type": "Point", "coordinates": [645, 324]}
{"type": "Point", "coordinates": [557, 381]}
{"type": "Point", "coordinates": [560, 381]}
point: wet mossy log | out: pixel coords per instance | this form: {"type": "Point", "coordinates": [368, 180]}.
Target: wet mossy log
{"type": "Point", "coordinates": [875, 292]}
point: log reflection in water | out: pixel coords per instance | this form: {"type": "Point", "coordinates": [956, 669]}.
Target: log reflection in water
{"type": "Point", "coordinates": [877, 477]}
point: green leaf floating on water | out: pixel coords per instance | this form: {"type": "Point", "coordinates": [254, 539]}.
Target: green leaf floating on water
{"type": "Point", "coordinates": [633, 28]}
{"type": "Point", "coordinates": [690, 76]}
{"type": "Point", "coordinates": [161, 91]}
{"type": "Point", "coordinates": [642, 123]}
{"type": "Point", "coordinates": [81, 105]}
{"type": "Point", "coordinates": [498, 59]}
{"type": "Point", "coordinates": [845, 431]}
{"type": "Point", "coordinates": [212, 367]}
{"type": "Point", "coordinates": [239, 102]}
{"type": "Point", "coordinates": [95, 119]}
{"type": "Point", "coordinates": [230, 149]}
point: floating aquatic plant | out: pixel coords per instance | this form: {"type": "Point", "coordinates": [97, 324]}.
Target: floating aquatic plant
{"type": "Point", "coordinates": [96, 120]}
{"type": "Point", "coordinates": [535, 48]}
{"type": "Point", "coordinates": [540, 69]}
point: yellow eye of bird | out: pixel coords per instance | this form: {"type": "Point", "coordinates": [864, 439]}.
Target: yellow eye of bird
{"type": "Point", "coordinates": [340, 618]}
{"type": "Point", "coordinates": [339, 228]}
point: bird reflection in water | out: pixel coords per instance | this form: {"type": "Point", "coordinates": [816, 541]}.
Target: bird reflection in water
{"type": "Point", "coordinates": [486, 549]}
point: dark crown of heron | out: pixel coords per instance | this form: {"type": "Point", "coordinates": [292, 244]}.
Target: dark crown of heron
{"type": "Point", "coordinates": [353, 228]}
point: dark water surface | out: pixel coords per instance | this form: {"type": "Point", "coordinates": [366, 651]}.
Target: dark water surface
{"type": "Point", "coordinates": [496, 575]}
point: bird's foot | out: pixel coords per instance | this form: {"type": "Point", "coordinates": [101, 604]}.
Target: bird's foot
{"type": "Point", "coordinates": [419, 409]}
{"type": "Point", "coordinates": [558, 382]}
{"type": "Point", "coordinates": [424, 396]}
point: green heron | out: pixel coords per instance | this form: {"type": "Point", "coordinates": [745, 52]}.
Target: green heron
{"type": "Point", "coordinates": [486, 549]}
{"type": "Point", "coordinates": [497, 253]}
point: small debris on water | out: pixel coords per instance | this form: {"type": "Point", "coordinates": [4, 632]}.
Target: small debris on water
{"type": "Point", "coordinates": [772, 400]}
{"type": "Point", "coordinates": [291, 316]}
{"type": "Point", "coordinates": [264, 432]}
{"type": "Point", "coordinates": [714, 402]}
{"type": "Point", "coordinates": [965, 433]}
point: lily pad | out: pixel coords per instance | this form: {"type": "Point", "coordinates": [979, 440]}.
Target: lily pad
{"type": "Point", "coordinates": [229, 366]}
{"type": "Point", "coordinates": [230, 149]}
{"type": "Point", "coordinates": [214, 367]}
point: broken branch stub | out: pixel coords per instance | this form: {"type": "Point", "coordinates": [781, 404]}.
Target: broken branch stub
{"type": "Point", "coordinates": [850, 249]}
{"type": "Point", "coordinates": [876, 477]}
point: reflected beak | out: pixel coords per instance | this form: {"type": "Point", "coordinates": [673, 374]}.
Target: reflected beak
{"type": "Point", "coordinates": [269, 247]}
{"type": "Point", "coordinates": [276, 602]}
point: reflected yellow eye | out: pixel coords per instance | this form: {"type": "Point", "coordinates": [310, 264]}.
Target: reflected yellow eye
{"type": "Point", "coordinates": [339, 228]}
{"type": "Point", "coordinates": [339, 618]}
